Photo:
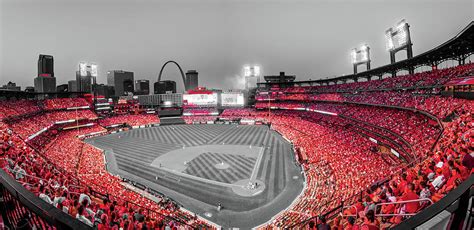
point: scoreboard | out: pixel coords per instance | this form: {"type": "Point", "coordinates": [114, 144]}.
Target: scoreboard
{"type": "Point", "coordinates": [232, 99]}
{"type": "Point", "coordinates": [204, 99]}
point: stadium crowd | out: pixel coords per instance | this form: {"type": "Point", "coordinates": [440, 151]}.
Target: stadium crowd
{"type": "Point", "coordinates": [444, 168]}
{"type": "Point", "coordinates": [450, 163]}
{"type": "Point", "coordinates": [45, 152]}
{"type": "Point", "coordinates": [130, 119]}
{"type": "Point", "coordinates": [79, 184]}
{"type": "Point", "coordinates": [199, 119]}
{"type": "Point", "coordinates": [333, 169]}
{"type": "Point", "coordinates": [428, 79]}
{"type": "Point", "coordinates": [417, 99]}
{"type": "Point", "coordinates": [17, 108]}
{"type": "Point", "coordinates": [64, 171]}
{"type": "Point", "coordinates": [64, 103]}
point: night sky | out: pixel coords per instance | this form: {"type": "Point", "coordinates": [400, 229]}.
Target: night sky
{"type": "Point", "coordinates": [310, 39]}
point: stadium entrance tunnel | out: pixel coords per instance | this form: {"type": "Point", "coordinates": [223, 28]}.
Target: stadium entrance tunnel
{"type": "Point", "coordinates": [250, 171]}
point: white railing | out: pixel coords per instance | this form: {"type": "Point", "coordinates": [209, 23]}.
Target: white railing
{"type": "Point", "coordinates": [388, 203]}
{"type": "Point", "coordinates": [401, 202]}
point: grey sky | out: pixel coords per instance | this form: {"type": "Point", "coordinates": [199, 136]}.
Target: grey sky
{"type": "Point", "coordinates": [311, 39]}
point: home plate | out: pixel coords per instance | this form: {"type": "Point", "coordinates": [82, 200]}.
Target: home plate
{"type": "Point", "coordinates": [244, 188]}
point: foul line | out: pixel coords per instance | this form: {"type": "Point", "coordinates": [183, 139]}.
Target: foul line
{"type": "Point", "coordinates": [253, 177]}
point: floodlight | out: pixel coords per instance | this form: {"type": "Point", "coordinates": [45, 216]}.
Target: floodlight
{"type": "Point", "coordinates": [388, 39]}
{"type": "Point", "coordinates": [256, 70]}
{"type": "Point", "coordinates": [252, 71]}
{"type": "Point", "coordinates": [354, 55]}
{"type": "Point", "coordinates": [364, 55]}
{"type": "Point", "coordinates": [83, 69]}
{"type": "Point", "coordinates": [398, 39]}
{"type": "Point", "coordinates": [401, 25]}
{"type": "Point", "coordinates": [398, 36]}
{"type": "Point", "coordinates": [360, 56]}
{"type": "Point", "coordinates": [94, 70]}
{"type": "Point", "coordinates": [401, 37]}
{"type": "Point", "coordinates": [247, 72]}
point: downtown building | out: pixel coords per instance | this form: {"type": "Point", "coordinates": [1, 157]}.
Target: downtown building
{"type": "Point", "coordinates": [84, 83]}
{"type": "Point", "coordinates": [45, 82]}
{"type": "Point", "coordinates": [122, 81]}
{"type": "Point", "coordinates": [142, 87]}
{"type": "Point", "coordinates": [191, 80]}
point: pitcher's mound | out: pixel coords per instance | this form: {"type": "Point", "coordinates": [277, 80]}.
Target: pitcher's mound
{"type": "Point", "coordinates": [222, 165]}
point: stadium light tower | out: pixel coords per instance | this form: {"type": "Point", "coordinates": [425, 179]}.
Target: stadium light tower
{"type": "Point", "coordinates": [398, 38]}
{"type": "Point", "coordinates": [94, 74]}
{"type": "Point", "coordinates": [360, 56]}
{"type": "Point", "coordinates": [250, 72]}
{"type": "Point", "coordinates": [93, 70]}
{"type": "Point", "coordinates": [83, 69]}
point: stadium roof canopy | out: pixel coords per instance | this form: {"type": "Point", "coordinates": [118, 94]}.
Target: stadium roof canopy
{"type": "Point", "coordinates": [457, 48]}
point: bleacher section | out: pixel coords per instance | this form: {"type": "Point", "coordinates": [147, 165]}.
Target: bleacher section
{"type": "Point", "coordinates": [364, 148]}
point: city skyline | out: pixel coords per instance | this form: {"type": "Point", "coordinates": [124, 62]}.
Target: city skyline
{"type": "Point", "coordinates": [216, 38]}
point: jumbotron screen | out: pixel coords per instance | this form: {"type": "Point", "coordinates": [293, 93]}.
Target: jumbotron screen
{"type": "Point", "coordinates": [205, 99]}
{"type": "Point", "coordinates": [232, 99]}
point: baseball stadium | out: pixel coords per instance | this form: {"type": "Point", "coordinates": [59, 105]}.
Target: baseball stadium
{"type": "Point", "coordinates": [390, 147]}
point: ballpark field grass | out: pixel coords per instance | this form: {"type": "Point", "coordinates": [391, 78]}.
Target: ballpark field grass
{"type": "Point", "coordinates": [200, 166]}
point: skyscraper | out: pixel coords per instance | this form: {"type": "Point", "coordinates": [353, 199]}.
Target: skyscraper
{"type": "Point", "coordinates": [121, 80]}
{"type": "Point", "coordinates": [191, 80]}
{"type": "Point", "coordinates": [86, 77]}
{"type": "Point", "coordinates": [83, 83]}
{"type": "Point", "coordinates": [45, 66]}
{"type": "Point", "coordinates": [163, 87]}
{"type": "Point", "coordinates": [104, 90]}
{"type": "Point", "coordinates": [142, 87]}
{"type": "Point", "coordinates": [72, 85]}
{"type": "Point", "coordinates": [45, 82]}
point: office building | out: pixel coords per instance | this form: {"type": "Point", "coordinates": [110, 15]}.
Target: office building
{"type": "Point", "coordinates": [72, 85]}
{"type": "Point", "coordinates": [45, 66]}
{"type": "Point", "coordinates": [84, 83]}
{"type": "Point", "coordinates": [192, 81]}
{"type": "Point", "coordinates": [142, 87]}
{"type": "Point", "coordinates": [105, 90]}
{"type": "Point", "coordinates": [45, 84]}
{"type": "Point", "coordinates": [164, 87]}
{"type": "Point", "coordinates": [62, 88]}
{"type": "Point", "coordinates": [122, 81]}
{"type": "Point", "coordinates": [11, 87]}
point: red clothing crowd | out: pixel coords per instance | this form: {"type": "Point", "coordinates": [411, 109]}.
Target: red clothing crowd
{"type": "Point", "coordinates": [130, 119]}
{"type": "Point", "coordinates": [64, 171]}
